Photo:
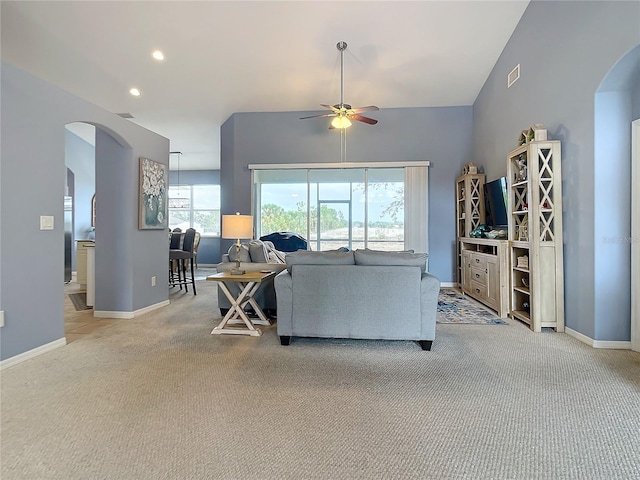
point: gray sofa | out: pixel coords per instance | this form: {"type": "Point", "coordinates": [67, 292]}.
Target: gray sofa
{"type": "Point", "coordinates": [358, 294]}
{"type": "Point", "coordinates": [254, 256]}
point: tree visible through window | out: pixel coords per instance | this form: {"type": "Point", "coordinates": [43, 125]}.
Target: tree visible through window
{"type": "Point", "coordinates": [353, 212]}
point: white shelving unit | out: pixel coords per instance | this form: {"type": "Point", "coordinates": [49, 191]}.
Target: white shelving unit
{"type": "Point", "coordinates": [469, 209]}
{"type": "Point", "coordinates": [535, 234]}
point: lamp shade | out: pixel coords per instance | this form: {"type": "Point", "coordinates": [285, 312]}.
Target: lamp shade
{"type": "Point", "coordinates": [237, 226]}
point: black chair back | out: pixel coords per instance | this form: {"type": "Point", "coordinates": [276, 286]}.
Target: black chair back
{"type": "Point", "coordinates": [174, 241]}
{"type": "Point", "coordinates": [189, 239]}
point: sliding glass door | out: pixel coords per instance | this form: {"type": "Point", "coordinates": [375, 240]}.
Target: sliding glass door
{"type": "Point", "coordinates": [333, 225]}
{"type": "Point", "coordinates": [334, 207]}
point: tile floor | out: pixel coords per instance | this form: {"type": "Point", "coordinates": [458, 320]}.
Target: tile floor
{"type": "Point", "coordinates": [78, 324]}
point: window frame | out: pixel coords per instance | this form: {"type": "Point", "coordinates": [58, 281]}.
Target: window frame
{"type": "Point", "coordinates": [193, 210]}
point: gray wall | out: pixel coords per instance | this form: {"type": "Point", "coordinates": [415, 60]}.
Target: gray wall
{"type": "Point", "coordinates": [209, 249]}
{"type": "Point", "coordinates": [440, 135]}
{"type": "Point", "coordinates": [565, 50]}
{"type": "Point", "coordinates": [32, 167]}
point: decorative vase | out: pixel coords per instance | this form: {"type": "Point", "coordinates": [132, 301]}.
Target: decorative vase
{"type": "Point", "coordinates": [151, 210]}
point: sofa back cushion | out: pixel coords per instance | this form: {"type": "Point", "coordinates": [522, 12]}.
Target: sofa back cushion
{"type": "Point", "coordinates": [306, 257]}
{"type": "Point", "coordinates": [376, 257]}
{"type": "Point", "coordinates": [349, 301]}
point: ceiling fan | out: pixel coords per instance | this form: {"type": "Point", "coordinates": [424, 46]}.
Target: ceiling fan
{"type": "Point", "coordinates": [343, 112]}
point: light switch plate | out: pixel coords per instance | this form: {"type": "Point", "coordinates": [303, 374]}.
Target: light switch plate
{"type": "Point", "coordinates": [46, 222]}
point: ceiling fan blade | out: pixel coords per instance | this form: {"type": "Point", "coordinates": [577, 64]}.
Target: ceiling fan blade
{"type": "Point", "coordinates": [360, 118]}
{"type": "Point", "coordinates": [322, 115]}
{"type": "Point", "coordinates": [331, 107]}
{"type": "Point", "coordinates": [370, 108]}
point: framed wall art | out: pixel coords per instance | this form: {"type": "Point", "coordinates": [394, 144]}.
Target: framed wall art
{"type": "Point", "coordinates": [154, 178]}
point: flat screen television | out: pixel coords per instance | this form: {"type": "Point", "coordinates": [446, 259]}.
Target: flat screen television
{"type": "Point", "coordinates": [495, 200]}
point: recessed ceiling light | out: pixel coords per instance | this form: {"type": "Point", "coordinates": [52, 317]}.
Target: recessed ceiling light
{"type": "Point", "coordinates": [158, 55]}
{"type": "Point", "coordinates": [135, 92]}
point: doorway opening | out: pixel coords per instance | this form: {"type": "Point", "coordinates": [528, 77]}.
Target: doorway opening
{"type": "Point", "coordinates": [616, 208]}
{"type": "Point", "coordinates": [635, 236]}
{"type": "Point", "coordinates": [80, 161]}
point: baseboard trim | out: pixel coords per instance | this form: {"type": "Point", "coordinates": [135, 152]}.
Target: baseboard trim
{"type": "Point", "coordinates": [129, 315]}
{"type": "Point", "coordinates": [609, 344]}
{"type": "Point", "coordinates": [21, 357]}
{"type": "Point", "coordinates": [449, 284]}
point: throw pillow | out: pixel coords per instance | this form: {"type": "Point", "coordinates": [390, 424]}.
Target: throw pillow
{"type": "Point", "coordinates": [258, 251]}
{"type": "Point", "coordinates": [373, 257]}
{"type": "Point", "coordinates": [243, 254]}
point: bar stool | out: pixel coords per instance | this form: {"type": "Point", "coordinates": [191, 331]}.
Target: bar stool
{"type": "Point", "coordinates": [180, 256]}
{"type": "Point", "coordinates": [174, 244]}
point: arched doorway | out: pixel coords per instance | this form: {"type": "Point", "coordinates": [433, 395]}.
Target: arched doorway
{"type": "Point", "coordinates": [100, 160]}
{"type": "Point", "coordinates": [80, 159]}
{"type": "Point", "coordinates": [616, 202]}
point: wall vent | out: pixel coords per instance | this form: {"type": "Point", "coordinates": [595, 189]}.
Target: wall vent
{"type": "Point", "coordinates": [513, 76]}
{"type": "Point", "coordinates": [124, 115]}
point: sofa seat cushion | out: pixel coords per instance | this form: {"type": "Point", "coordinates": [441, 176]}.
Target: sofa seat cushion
{"type": "Point", "coordinates": [376, 257]}
{"type": "Point", "coordinates": [307, 257]}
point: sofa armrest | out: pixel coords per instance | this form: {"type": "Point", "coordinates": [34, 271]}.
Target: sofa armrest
{"type": "Point", "coordinates": [429, 290]}
{"type": "Point", "coordinates": [283, 284]}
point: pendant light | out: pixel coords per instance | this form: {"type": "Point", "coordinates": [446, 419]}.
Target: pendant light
{"type": "Point", "coordinates": [177, 200]}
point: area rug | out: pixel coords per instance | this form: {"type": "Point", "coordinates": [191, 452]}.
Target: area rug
{"type": "Point", "coordinates": [79, 301]}
{"type": "Point", "coordinates": [453, 307]}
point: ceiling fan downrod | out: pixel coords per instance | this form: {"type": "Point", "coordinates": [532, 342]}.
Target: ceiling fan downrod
{"type": "Point", "coordinates": [341, 46]}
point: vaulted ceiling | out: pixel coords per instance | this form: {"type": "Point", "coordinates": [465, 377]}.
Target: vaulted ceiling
{"type": "Point", "coordinates": [237, 56]}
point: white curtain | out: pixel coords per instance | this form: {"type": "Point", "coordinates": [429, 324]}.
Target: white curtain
{"type": "Point", "coordinates": [416, 209]}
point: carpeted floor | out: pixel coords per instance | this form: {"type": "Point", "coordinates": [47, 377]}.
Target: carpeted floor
{"type": "Point", "coordinates": [454, 307]}
{"type": "Point", "coordinates": [158, 397]}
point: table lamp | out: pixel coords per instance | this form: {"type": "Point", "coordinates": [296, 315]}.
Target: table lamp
{"type": "Point", "coordinates": [237, 226]}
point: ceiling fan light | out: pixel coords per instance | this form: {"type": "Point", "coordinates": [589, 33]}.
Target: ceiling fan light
{"type": "Point", "coordinates": [341, 121]}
